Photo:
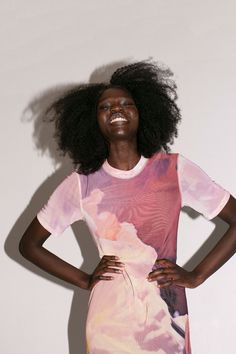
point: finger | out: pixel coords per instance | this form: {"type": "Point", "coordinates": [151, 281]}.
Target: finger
{"type": "Point", "coordinates": [167, 278]}
{"type": "Point", "coordinates": [114, 263]}
{"type": "Point", "coordinates": [163, 262]}
{"type": "Point", "coordinates": [110, 257]}
{"type": "Point", "coordinates": [104, 277]}
{"type": "Point", "coordinates": [153, 275]}
{"type": "Point", "coordinates": [159, 277]}
{"type": "Point", "coordinates": [165, 284]}
{"type": "Point", "coordinates": [110, 270]}
{"type": "Point", "coordinates": [106, 259]}
{"type": "Point", "coordinates": [163, 272]}
{"type": "Point", "coordinates": [97, 278]}
{"type": "Point", "coordinates": [104, 269]}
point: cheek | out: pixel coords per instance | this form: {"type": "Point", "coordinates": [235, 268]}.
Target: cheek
{"type": "Point", "coordinates": [101, 118]}
{"type": "Point", "coordinates": [135, 115]}
{"type": "Point", "coordinates": [134, 112]}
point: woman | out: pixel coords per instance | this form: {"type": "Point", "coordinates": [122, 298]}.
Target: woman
{"type": "Point", "coordinates": [129, 189]}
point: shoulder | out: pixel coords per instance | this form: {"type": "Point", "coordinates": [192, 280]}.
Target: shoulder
{"type": "Point", "coordinates": [164, 164]}
{"type": "Point", "coordinates": [68, 186]}
{"type": "Point", "coordinates": [166, 157]}
{"type": "Point", "coordinates": [72, 179]}
{"type": "Point", "coordinates": [160, 155]}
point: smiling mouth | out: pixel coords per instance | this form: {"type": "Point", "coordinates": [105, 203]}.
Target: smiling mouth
{"type": "Point", "coordinates": [118, 117]}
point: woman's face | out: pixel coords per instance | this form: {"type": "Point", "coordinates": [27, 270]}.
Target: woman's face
{"type": "Point", "coordinates": [117, 115]}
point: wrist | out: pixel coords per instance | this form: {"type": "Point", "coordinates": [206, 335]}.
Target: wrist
{"type": "Point", "coordinates": [198, 278]}
{"type": "Point", "coordinates": [84, 281]}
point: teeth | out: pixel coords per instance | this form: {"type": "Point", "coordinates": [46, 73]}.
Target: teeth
{"type": "Point", "coordinates": [118, 119]}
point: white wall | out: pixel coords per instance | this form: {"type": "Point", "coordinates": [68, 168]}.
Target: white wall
{"type": "Point", "coordinates": [46, 45]}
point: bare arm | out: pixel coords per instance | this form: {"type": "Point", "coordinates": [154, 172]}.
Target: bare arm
{"type": "Point", "coordinates": [170, 273]}
{"type": "Point", "coordinates": [31, 247]}
{"type": "Point", "coordinates": [225, 248]}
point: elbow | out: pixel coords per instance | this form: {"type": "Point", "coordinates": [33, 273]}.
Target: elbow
{"type": "Point", "coordinates": [32, 240]}
{"type": "Point", "coordinates": [27, 248]}
{"type": "Point", "coordinates": [24, 248]}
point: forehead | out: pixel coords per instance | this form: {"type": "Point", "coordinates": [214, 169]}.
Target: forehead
{"type": "Point", "coordinates": [114, 92]}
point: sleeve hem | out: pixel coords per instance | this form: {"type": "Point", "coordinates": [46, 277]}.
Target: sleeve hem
{"type": "Point", "coordinates": [220, 207]}
{"type": "Point", "coordinates": [46, 226]}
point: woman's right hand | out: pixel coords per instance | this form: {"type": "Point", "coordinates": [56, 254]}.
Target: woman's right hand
{"type": "Point", "coordinates": [108, 264]}
{"type": "Point", "coordinates": [31, 247]}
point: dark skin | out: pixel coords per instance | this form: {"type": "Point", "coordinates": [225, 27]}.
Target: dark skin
{"type": "Point", "coordinates": [120, 135]}
{"type": "Point", "coordinates": [118, 120]}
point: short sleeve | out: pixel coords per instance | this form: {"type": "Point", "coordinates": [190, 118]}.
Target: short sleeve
{"type": "Point", "coordinates": [198, 190]}
{"type": "Point", "coordinates": [63, 207]}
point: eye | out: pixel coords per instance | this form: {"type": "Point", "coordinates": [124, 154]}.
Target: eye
{"type": "Point", "coordinates": [128, 103]}
{"type": "Point", "coordinates": [104, 107]}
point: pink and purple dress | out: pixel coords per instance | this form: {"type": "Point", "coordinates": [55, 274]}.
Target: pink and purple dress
{"type": "Point", "coordinates": [134, 214]}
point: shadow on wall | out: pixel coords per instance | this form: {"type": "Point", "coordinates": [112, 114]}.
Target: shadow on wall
{"type": "Point", "coordinates": [43, 137]}
{"type": "Point", "coordinates": [211, 241]}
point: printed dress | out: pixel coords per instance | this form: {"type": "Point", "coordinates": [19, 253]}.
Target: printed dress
{"type": "Point", "coordinates": [134, 215]}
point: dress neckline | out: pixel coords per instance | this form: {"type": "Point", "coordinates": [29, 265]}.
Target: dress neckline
{"type": "Point", "coordinates": [123, 174]}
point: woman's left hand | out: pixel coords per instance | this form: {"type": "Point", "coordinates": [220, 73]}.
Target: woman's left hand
{"type": "Point", "coordinates": [168, 273]}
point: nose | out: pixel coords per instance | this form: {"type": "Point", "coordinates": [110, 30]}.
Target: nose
{"type": "Point", "coordinates": [116, 108]}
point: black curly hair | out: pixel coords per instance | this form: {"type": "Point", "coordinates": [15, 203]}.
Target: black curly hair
{"type": "Point", "coordinates": [154, 93]}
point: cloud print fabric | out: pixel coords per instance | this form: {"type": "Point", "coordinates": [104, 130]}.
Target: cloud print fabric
{"type": "Point", "coordinates": [134, 214]}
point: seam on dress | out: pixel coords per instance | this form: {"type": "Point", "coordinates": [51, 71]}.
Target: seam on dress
{"type": "Point", "coordinates": [80, 197]}
{"type": "Point", "coordinates": [178, 180]}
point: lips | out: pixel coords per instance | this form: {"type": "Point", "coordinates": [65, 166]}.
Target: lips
{"type": "Point", "coordinates": [117, 117]}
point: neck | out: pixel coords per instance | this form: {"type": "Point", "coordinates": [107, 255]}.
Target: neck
{"type": "Point", "coordinates": [123, 155]}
